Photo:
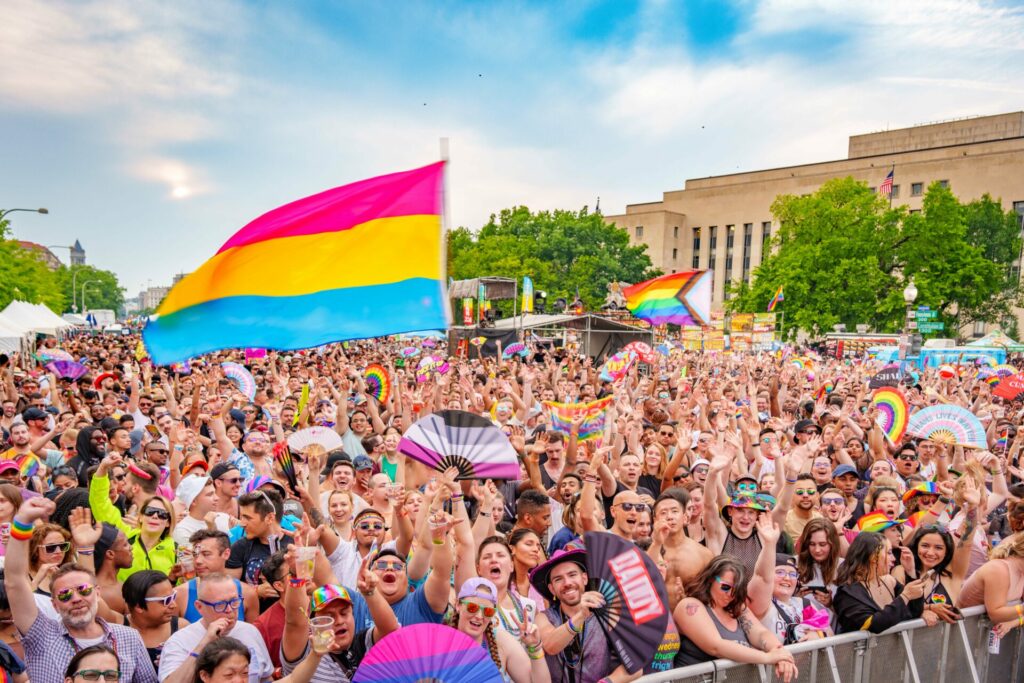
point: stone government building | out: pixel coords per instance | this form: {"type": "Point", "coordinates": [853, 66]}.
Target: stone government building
{"type": "Point", "coordinates": [724, 223]}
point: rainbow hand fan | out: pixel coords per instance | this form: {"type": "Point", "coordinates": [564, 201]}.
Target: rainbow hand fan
{"type": "Point", "coordinates": [478, 341]}
{"type": "Point", "coordinates": [1005, 370]}
{"type": "Point", "coordinates": [409, 352]}
{"type": "Point", "coordinates": [314, 440]}
{"type": "Point", "coordinates": [378, 384]}
{"type": "Point", "coordinates": [893, 412]}
{"type": "Point", "coordinates": [428, 343]}
{"type": "Point", "coordinates": [241, 378]}
{"type": "Point", "coordinates": [455, 438]}
{"type": "Point", "coordinates": [986, 360]}
{"type": "Point", "coordinates": [283, 457]}
{"type": "Point", "coordinates": [427, 653]}
{"type": "Point", "coordinates": [948, 424]}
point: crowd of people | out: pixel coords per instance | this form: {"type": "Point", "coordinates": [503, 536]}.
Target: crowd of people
{"type": "Point", "coordinates": [150, 534]}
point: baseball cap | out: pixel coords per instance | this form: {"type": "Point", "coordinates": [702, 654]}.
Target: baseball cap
{"type": "Point", "coordinates": [135, 436]}
{"type": "Point", "coordinates": [479, 588]}
{"type": "Point", "coordinates": [362, 463]}
{"type": "Point", "coordinates": [324, 595]}
{"type": "Point", "coordinates": [220, 469]}
{"type": "Point", "coordinates": [34, 413]}
{"type": "Point", "coordinates": [784, 560]}
{"type": "Point", "coordinates": [190, 487]}
{"type": "Point", "coordinates": [844, 469]}
{"type": "Point", "coordinates": [9, 465]}
{"type": "Point", "coordinates": [698, 462]}
{"type": "Point", "coordinates": [804, 424]}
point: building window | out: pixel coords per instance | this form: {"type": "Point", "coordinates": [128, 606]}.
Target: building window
{"type": "Point", "coordinates": [979, 328]}
{"type": "Point", "coordinates": [915, 211]}
{"type": "Point", "coordinates": [675, 232]}
{"type": "Point", "coordinates": [944, 184]}
{"type": "Point", "coordinates": [748, 233]}
{"type": "Point", "coordinates": [916, 189]}
{"type": "Point", "coordinates": [873, 190]}
{"type": "Point", "coordinates": [639, 231]}
{"type": "Point", "coordinates": [713, 256]}
{"type": "Point", "coordinates": [675, 254]}
{"type": "Point", "coordinates": [1018, 207]}
{"type": "Point", "coordinates": [730, 240]}
{"type": "Point", "coordinates": [696, 248]}
{"type": "Point", "coordinates": [895, 192]}
{"type": "Point", "coordinates": [766, 238]}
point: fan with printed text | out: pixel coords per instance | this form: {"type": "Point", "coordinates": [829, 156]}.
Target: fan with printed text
{"type": "Point", "coordinates": [948, 424]}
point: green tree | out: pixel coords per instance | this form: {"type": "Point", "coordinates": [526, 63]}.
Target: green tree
{"type": "Point", "coordinates": [24, 276]}
{"type": "Point", "coordinates": [103, 289]}
{"type": "Point", "coordinates": [844, 256]}
{"type": "Point", "coordinates": [561, 250]}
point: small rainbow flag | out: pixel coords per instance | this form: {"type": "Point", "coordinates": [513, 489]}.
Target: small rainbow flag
{"type": "Point", "coordinates": [776, 299]}
{"type": "Point", "coordinates": [1003, 441]}
{"type": "Point", "coordinates": [562, 415]}
{"type": "Point", "coordinates": [678, 298]}
{"type": "Point", "coordinates": [321, 269]}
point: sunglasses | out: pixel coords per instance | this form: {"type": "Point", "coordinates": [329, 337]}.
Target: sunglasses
{"type": "Point", "coordinates": [811, 432]}
{"type": "Point", "coordinates": [223, 606]}
{"type": "Point", "coordinates": [725, 587]}
{"type": "Point", "coordinates": [385, 565]}
{"type": "Point", "coordinates": [166, 600]}
{"type": "Point", "coordinates": [666, 433]}
{"type": "Point", "coordinates": [367, 526]}
{"type": "Point", "coordinates": [119, 477]}
{"type": "Point", "coordinates": [681, 476]}
{"type": "Point", "coordinates": [52, 548]}
{"type": "Point", "coordinates": [907, 456]}
{"type": "Point", "coordinates": [632, 507]}
{"type": "Point", "coordinates": [85, 590]}
{"type": "Point", "coordinates": [158, 450]}
{"type": "Point", "coordinates": [747, 487]}
{"type": "Point", "coordinates": [831, 501]}
{"type": "Point", "coordinates": [473, 608]}
{"type": "Point", "coordinates": [158, 513]}
{"type": "Point", "coordinates": [805, 492]}
{"type": "Point", "coordinates": [109, 675]}
{"type": "Point", "coordinates": [232, 480]}
{"type": "Point", "coordinates": [700, 470]}
{"type": "Point", "coordinates": [98, 439]}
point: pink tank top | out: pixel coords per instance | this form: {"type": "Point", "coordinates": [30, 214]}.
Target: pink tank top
{"type": "Point", "coordinates": [973, 592]}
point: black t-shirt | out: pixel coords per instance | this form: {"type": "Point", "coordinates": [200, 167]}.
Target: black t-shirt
{"type": "Point", "coordinates": [619, 488]}
{"type": "Point", "coordinates": [248, 554]}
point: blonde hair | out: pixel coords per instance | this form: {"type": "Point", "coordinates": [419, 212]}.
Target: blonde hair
{"type": "Point", "coordinates": [976, 472]}
{"type": "Point", "coordinates": [1012, 546]}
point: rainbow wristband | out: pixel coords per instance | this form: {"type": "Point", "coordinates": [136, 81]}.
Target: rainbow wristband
{"type": "Point", "coordinates": [20, 531]}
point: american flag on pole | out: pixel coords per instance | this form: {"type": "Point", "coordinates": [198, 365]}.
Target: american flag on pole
{"type": "Point", "coordinates": [885, 188]}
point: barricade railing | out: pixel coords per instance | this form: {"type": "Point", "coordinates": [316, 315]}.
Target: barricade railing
{"type": "Point", "coordinates": [911, 652]}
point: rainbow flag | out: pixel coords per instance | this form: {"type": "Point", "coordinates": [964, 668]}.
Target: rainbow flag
{"type": "Point", "coordinates": [362, 260]}
{"type": "Point", "coordinates": [776, 299]}
{"type": "Point", "coordinates": [679, 298]}
{"type": "Point", "coordinates": [562, 415]}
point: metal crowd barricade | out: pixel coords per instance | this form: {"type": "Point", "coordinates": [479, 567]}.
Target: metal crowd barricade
{"type": "Point", "coordinates": [910, 652]}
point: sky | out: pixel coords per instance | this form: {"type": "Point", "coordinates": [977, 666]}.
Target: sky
{"type": "Point", "coordinates": [154, 130]}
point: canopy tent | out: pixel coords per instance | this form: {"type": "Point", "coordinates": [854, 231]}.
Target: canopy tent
{"type": "Point", "coordinates": [594, 336]}
{"type": "Point", "coordinates": [34, 317]}
{"type": "Point", "coordinates": [75, 319]}
{"type": "Point", "coordinates": [997, 339]}
{"type": "Point", "coordinates": [12, 337]}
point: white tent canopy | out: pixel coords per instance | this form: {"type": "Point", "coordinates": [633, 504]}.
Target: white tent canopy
{"type": "Point", "coordinates": [12, 337]}
{"type": "Point", "coordinates": [34, 317]}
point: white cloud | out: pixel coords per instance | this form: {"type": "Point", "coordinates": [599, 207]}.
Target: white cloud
{"type": "Point", "coordinates": [181, 179]}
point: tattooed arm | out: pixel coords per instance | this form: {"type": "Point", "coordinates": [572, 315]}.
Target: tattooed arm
{"type": "Point", "coordinates": [757, 635]}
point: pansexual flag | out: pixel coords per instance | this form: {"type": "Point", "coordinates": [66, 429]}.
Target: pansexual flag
{"type": "Point", "coordinates": [361, 260]}
{"type": "Point", "coordinates": [592, 427]}
{"type": "Point", "coordinates": [679, 298]}
{"type": "Point", "coordinates": [776, 299]}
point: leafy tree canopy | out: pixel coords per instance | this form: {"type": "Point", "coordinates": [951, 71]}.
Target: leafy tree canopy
{"type": "Point", "coordinates": [561, 250]}
{"type": "Point", "coordinates": [102, 289]}
{"type": "Point", "coordinates": [24, 276]}
{"type": "Point", "coordinates": [844, 256]}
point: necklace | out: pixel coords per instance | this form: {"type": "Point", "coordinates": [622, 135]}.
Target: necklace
{"type": "Point", "coordinates": [505, 621]}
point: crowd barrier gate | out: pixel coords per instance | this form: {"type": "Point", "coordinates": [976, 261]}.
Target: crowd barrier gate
{"type": "Point", "coordinates": [907, 653]}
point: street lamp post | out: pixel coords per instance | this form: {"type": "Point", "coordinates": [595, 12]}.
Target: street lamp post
{"type": "Point", "coordinates": [3, 214]}
{"type": "Point", "coordinates": [909, 297]}
{"type": "Point", "coordinates": [84, 285]}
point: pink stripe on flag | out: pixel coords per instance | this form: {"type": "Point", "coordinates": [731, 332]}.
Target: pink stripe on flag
{"type": "Point", "coordinates": [409, 193]}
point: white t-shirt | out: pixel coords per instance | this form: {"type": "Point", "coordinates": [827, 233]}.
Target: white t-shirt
{"type": "Point", "coordinates": [346, 560]}
{"type": "Point", "coordinates": [184, 529]}
{"type": "Point", "coordinates": [177, 648]}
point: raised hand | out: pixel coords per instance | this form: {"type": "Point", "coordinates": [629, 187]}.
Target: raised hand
{"type": "Point", "coordinates": [83, 531]}
{"type": "Point", "coordinates": [767, 530]}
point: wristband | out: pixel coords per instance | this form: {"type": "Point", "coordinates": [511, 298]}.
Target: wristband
{"type": "Point", "coordinates": [21, 526]}
{"type": "Point", "coordinates": [86, 553]}
{"type": "Point", "coordinates": [1020, 622]}
{"type": "Point", "coordinates": [296, 583]}
{"type": "Point", "coordinates": [437, 541]}
{"type": "Point", "coordinates": [1020, 610]}
{"type": "Point", "coordinates": [193, 654]}
{"type": "Point", "coordinates": [85, 548]}
{"type": "Point", "coordinates": [368, 594]}
{"type": "Point", "coordinates": [944, 500]}
{"type": "Point", "coordinates": [791, 481]}
{"type": "Point", "coordinates": [178, 447]}
{"type": "Point", "coordinates": [457, 497]}
{"type": "Point", "coordinates": [535, 655]}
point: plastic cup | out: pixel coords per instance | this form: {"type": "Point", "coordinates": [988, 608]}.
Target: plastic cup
{"type": "Point", "coordinates": [323, 633]}
{"type": "Point", "coordinates": [305, 557]}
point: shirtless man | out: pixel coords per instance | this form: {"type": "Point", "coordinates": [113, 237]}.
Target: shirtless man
{"type": "Point", "coordinates": [679, 557]}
